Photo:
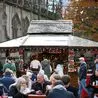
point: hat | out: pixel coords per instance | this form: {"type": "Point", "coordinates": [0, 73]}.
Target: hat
{"type": "Point", "coordinates": [82, 58]}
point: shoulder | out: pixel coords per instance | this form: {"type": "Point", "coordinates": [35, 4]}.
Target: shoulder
{"type": "Point", "coordinates": [47, 82]}
{"type": "Point", "coordinates": [70, 94]}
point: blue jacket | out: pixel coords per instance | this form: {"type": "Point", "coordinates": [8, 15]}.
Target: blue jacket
{"type": "Point", "coordinates": [82, 71]}
{"type": "Point", "coordinates": [7, 80]}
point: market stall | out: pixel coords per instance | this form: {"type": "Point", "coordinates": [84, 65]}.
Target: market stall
{"type": "Point", "coordinates": [51, 39]}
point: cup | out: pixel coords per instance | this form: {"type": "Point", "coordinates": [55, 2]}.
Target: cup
{"type": "Point", "coordinates": [5, 95]}
{"type": "Point", "coordinates": [10, 96]}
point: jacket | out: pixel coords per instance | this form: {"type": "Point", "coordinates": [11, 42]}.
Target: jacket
{"type": "Point", "coordinates": [59, 92]}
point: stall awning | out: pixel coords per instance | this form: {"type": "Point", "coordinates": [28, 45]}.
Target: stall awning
{"type": "Point", "coordinates": [49, 40]}
{"type": "Point", "coordinates": [13, 43]}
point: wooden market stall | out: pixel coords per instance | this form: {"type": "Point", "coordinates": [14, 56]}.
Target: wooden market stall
{"type": "Point", "coordinates": [52, 39]}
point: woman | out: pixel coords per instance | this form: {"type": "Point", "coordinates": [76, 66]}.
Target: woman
{"type": "Point", "coordinates": [19, 89]}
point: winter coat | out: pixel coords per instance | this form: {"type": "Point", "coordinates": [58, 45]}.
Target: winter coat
{"type": "Point", "coordinates": [82, 71]}
{"type": "Point", "coordinates": [59, 92]}
{"type": "Point", "coordinates": [46, 67]}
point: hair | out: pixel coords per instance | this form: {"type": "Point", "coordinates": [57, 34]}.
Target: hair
{"type": "Point", "coordinates": [57, 77]}
{"type": "Point", "coordinates": [18, 82]}
{"type": "Point", "coordinates": [8, 71]}
{"type": "Point", "coordinates": [26, 79]}
{"type": "Point", "coordinates": [40, 74]}
{"type": "Point", "coordinates": [58, 82]}
{"type": "Point", "coordinates": [65, 79]}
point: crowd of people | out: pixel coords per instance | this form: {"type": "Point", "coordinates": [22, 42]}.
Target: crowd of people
{"type": "Point", "coordinates": [40, 79]}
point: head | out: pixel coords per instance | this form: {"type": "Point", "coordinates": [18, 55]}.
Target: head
{"type": "Point", "coordinates": [27, 79]}
{"type": "Point", "coordinates": [82, 59]}
{"type": "Point", "coordinates": [21, 82]}
{"type": "Point", "coordinates": [8, 72]}
{"type": "Point", "coordinates": [29, 74]}
{"type": "Point", "coordinates": [54, 78]}
{"type": "Point", "coordinates": [66, 80]}
{"type": "Point", "coordinates": [45, 62]}
{"type": "Point", "coordinates": [34, 56]}
{"type": "Point", "coordinates": [40, 78]}
{"type": "Point", "coordinates": [58, 82]}
{"type": "Point", "coordinates": [9, 59]}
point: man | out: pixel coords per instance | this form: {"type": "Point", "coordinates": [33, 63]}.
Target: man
{"type": "Point", "coordinates": [40, 85]}
{"type": "Point", "coordinates": [59, 91]}
{"type": "Point", "coordinates": [68, 86]}
{"type": "Point", "coordinates": [82, 74]}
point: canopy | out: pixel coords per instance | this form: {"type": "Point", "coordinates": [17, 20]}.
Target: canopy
{"type": "Point", "coordinates": [50, 33]}
{"type": "Point", "coordinates": [49, 40]}
{"type": "Point", "coordinates": [13, 43]}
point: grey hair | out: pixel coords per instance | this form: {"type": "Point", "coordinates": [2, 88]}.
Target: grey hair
{"type": "Point", "coordinates": [18, 82]}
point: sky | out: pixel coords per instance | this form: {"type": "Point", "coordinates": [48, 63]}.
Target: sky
{"type": "Point", "coordinates": [56, 2]}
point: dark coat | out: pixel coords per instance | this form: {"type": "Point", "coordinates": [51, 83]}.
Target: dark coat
{"type": "Point", "coordinates": [46, 67]}
{"type": "Point", "coordinates": [59, 92]}
{"type": "Point", "coordinates": [82, 71]}
{"type": "Point", "coordinates": [13, 91]}
{"type": "Point", "coordinates": [20, 95]}
{"type": "Point", "coordinates": [74, 90]}
{"type": "Point", "coordinates": [37, 86]}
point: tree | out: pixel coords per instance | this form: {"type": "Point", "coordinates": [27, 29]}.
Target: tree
{"type": "Point", "coordinates": [84, 14]}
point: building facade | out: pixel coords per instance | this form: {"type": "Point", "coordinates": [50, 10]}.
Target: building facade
{"type": "Point", "coordinates": [15, 16]}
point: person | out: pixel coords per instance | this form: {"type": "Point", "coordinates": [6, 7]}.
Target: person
{"type": "Point", "coordinates": [19, 89]}
{"type": "Point", "coordinates": [45, 76]}
{"type": "Point", "coordinates": [46, 67]}
{"type": "Point", "coordinates": [28, 80]}
{"type": "Point", "coordinates": [59, 67]}
{"type": "Point", "coordinates": [40, 85]}
{"type": "Point", "coordinates": [1, 69]}
{"type": "Point", "coordinates": [35, 64]}
{"type": "Point", "coordinates": [9, 65]}
{"type": "Point", "coordinates": [53, 79]}
{"type": "Point", "coordinates": [59, 91]}
{"type": "Point", "coordinates": [7, 79]}
{"type": "Point", "coordinates": [82, 75]}
{"type": "Point", "coordinates": [68, 86]}
{"type": "Point", "coordinates": [1, 89]}
{"type": "Point", "coordinates": [94, 77]}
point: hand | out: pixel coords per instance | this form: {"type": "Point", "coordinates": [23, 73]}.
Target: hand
{"type": "Point", "coordinates": [39, 92]}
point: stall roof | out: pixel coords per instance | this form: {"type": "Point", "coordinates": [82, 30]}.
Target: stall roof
{"type": "Point", "coordinates": [50, 33]}
{"type": "Point", "coordinates": [49, 40]}
{"type": "Point", "coordinates": [50, 26]}
{"type": "Point", "coordinates": [13, 43]}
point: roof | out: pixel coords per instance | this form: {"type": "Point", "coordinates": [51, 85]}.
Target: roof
{"type": "Point", "coordinates": [50, 26]}
{"type": "Point", "coordinates": [13, 43]}
{"type": "Point", "coordinates": [49, 33]}
{"type": "Point", "coordinates": [49, 40]}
